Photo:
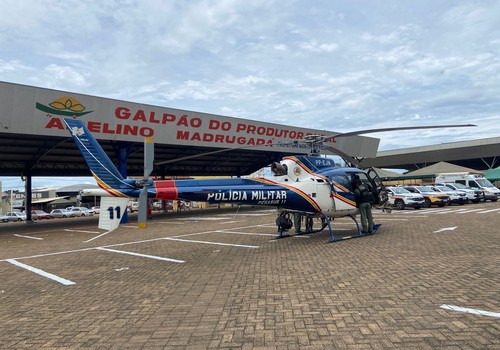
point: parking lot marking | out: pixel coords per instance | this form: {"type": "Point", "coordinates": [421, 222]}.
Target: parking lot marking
{"type": "Point", "coordinates": [488, 211]}
{"type": "Point", "coordinates": [446, 229]}
{"type": "Point", "coordinates": [39, 238]}
{"type": "Point", "coordinates": [50, 254]}
{"type": "Point", "coordinates": [246, 233]}
{"type": "Point", "coordinates": [470, 311]}
{"type": "Point", "coordinates": [141, 255]}
{"type": "Point", "coordinates": [200, 218]}
{"type": "Point", "coordinates": [80, 231]}
{"type": "Point", "coordinates": [41, 272]}
{"type": "Point", "coordinates": [409, 216]}
{"type": "Point", "coordinates": [96, 237]}
{"type": "Point", "coordinates": [449, 211]}
{"type": "Point", "coordinates": [214, 243]}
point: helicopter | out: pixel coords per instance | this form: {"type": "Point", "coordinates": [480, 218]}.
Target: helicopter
{"type": "Point", "coordinates": [311, 186]}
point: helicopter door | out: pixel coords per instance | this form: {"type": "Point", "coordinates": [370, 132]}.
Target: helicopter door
{"type": "Point", "coordinates": [381, 192]}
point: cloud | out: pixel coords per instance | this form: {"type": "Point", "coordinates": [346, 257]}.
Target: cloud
{"type": "Point", "coordinates": [314, 46]}
{"type": "Point", "coordinates": [338, 66]}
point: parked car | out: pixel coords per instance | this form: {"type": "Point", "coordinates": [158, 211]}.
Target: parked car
{"type": "Point", "coordinates": [40, 215]}
{"type": "Point", "coordinates": [16, 216]}
{"type": "Point", "coordinates": [81, 211]}
{"type": "Point", "coordinates": [87, 211]}
{"type": "Point", "coordinates": [169, 205]}
{"type": "Point", "coordinates": [133, 207]}
{"type": "Point", "coordinates": [474, 181]}
{"type": "Point", "coordinates": [474, 195]}
{"type": "Point", "coordinates": [96, 210]}
{"type": "Point", "coordinates": [4, 218]}
{"type": "Point", "coordinates": [401, 198]}
{"type": "Point", "coordinates": [456, 197]}
{"type": "Point", "coordinates": [431, 197]}
{"type": "Point", "coordinates": [62, 213]}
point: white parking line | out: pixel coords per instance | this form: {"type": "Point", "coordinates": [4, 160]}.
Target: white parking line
{"type": "Point", "coordinates": [488, 211]}
{"type": "Point", "coordinates": [169, 222]}
{"type": "Point", "coordinates": [200, 218]}
{"type": "Point", "coordinates": [98, 236]}
{"type": "Point", "coordinates": [470, 311]}
{"type": "Point", "coordinates": [465, 210]}
{"type": "Point", "coordinates": [448, 211]}
{"type": "Point", "coordinates": [81, 231]}
{"type": "Point", "coordinates": [246, 233]}
{"type": "Point", "coordinates": [41, 272]}
{"type": "Point", "coordinates": [214, 243]}
{"type": "Point", "coordinates": [407, 217]}
{"type": "Point", "coordinates": [141, 255]}
{"type": "Point", "coordinates": [41, 239]}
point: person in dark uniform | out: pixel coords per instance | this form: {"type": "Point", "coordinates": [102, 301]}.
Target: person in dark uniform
{"type": "Point", "coordinates": [297, 222]}
{"type": "Point", "coordinates": [364, 201]}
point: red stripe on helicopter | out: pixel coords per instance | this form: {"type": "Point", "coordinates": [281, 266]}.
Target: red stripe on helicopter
{"type": "Point", "coordinates": [296, 190]}
{"type": "Point", "coordinates": [166, 189]}
{"type": "Point", "coordinates": [340, 187]}
{"type": "Point", "coordinates": [343, 199]}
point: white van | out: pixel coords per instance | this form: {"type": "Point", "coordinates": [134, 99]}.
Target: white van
{"type": "Point", "coordinates": [473, 181]}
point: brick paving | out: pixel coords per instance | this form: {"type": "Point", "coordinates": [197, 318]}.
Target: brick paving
{"type": "Point", "coordinates": [378, 292]}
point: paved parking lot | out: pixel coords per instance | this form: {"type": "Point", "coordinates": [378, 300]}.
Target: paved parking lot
{"type": "Point", "coordinates": [429, 279]}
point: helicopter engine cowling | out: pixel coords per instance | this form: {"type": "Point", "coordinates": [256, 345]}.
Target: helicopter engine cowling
{"type": "Point", "coordinates": [279, 169]}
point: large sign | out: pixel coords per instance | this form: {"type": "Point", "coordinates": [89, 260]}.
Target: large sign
{"type": "Point", "coordinates": [39, 111]}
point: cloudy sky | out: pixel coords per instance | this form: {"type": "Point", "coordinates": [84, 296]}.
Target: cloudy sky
{"type": "Point", "coordinates": [338, 65]}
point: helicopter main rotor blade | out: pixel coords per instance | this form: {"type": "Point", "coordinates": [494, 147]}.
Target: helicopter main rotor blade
{"type": "Point", "coordinates": [370, 131]}
{"type": "Point", "coordinates": [320, 139]}
{"type": "Point", "coordinates": [342, 154]}
{"type": "Point", "coordinates": [218, 151]}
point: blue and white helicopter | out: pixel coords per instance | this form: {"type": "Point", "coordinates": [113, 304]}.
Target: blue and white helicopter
{"type": "Point", "coordinates": [308, 185]}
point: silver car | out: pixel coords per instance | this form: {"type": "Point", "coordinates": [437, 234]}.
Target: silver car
{"type": "Point", "coordinates": [62, 213]}
{"type": "Point", "coordinates": [16, 216]}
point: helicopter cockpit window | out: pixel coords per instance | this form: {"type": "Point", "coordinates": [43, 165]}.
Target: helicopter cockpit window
{"type": "Point", "coordinates": [342, 180]}
{"type": "Point", "coordinates": [359, 176]}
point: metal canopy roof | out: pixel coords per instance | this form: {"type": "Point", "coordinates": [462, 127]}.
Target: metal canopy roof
{"type": "Point", "coordinates": [480, 154]}
{"type": "Point", "coordinates": [58, 156]}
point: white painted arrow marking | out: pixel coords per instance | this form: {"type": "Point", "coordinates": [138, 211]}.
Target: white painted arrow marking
{"type": "Point", "coordinates": [446, 229]}
{"type": "Point", "coordinates": [471, 311]}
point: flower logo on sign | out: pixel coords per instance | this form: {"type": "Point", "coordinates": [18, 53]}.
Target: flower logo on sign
{"type": "Point", "coordinates": [65, 106]}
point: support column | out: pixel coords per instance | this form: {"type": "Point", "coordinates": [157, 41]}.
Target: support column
{"type": "Point", "coordinates": [123, 150]}
{"type": "Point", "coordinates": [27, 195]}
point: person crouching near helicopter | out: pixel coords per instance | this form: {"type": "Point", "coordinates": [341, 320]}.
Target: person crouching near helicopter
{"type": "Point", "coordinates": [364, 201]}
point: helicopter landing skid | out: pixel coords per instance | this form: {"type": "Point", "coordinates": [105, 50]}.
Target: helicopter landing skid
{"type": "Point", "coordinates": [360, 233]}
{"type": "Point", "coordinates": [325, 223]}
